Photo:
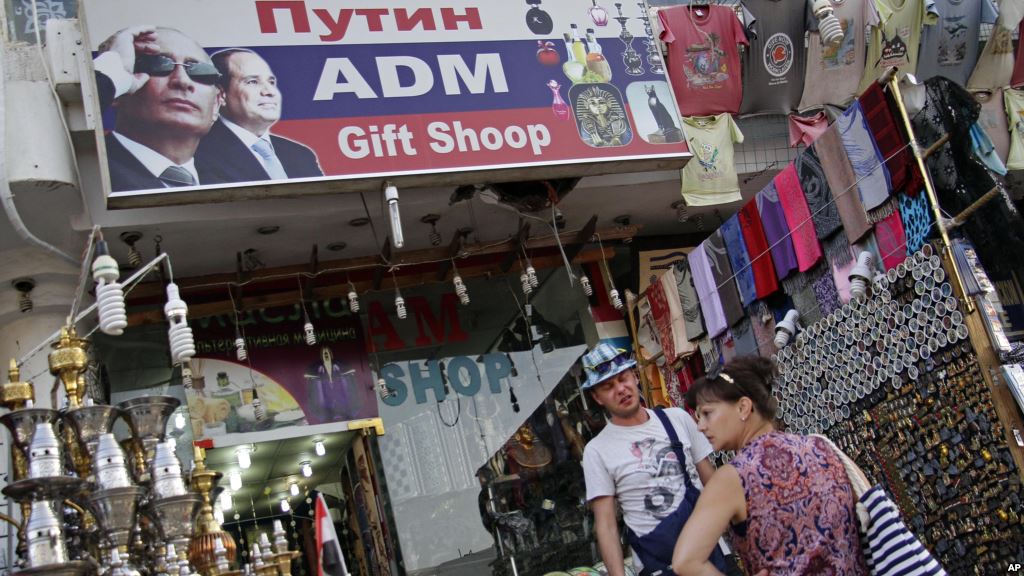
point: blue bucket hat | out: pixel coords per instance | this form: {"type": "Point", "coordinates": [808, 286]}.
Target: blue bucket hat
{"type": "Point", "coordinates": [603, 362]}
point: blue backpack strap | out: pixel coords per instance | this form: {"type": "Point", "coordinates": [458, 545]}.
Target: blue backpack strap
{"type": "Point", "coordinates": [677, 446]}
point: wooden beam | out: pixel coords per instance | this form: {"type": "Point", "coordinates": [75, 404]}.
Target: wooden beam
{"type": "Point", "coordinates": [453, 251]}
{"type": "Point", "coordinates": [155, 314]}
{"type": "Point", "coordinates": [365, 263]}
{"type": "Point", "coordinates": [582, 239]}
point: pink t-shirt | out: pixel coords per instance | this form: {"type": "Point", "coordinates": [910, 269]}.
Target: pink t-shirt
{"type": "Point", "coordinates": [703, 58]}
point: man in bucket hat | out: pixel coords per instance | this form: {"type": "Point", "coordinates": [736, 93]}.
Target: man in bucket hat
{"type": "Point", "coordinates": [634, 462]}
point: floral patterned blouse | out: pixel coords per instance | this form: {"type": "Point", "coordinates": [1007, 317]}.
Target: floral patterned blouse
{"type": "Point", "coordinates": [800, 509]}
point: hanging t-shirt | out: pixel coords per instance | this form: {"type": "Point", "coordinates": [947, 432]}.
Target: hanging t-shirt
{"type": "Point", "coordinates": [951, 47]}
{"type": "Point", "coordinates": [993, 119]}
{"type": "Point", "coordinates": [995, 65]}
{"type": "Point", "coordinates": [1014, 99]}
{"type": "Point", "coordinates": [834, 72]}
{"type": "Point", "coordinates": [773, 66]}
{"type": "Point", "coordinates": [710, 176]}
{"type": "Point", "coordinates": [896, 38]}
{"type": "Point", "coordinates": [704, 282]}
{"type": "Point", "coordinates": [703, 58]}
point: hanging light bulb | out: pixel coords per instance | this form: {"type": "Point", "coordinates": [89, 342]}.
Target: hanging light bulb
{"type": "Point", "coordinates": [179, 421]}
{"type": "Point", "coordinates": [531, 274]}
{"type": "Point", "coordinates": [588, 290]}
{"type": "Point", "coordinates": [310, 332]}
{"type": "Point", "coordinates": [383, 390]}
{"type": "Point", "coordinates": [285, 506]}
{"type": "Point", "coordinates": [434, 235]}
{"type": "Point", "coordinates": [225, 500]}
{"type": "Point", "coordinates": [400, 306]}
{"type": "Point", "coordinates": [860, 275]}
{"type": "Point", "coordinates": [786, 329]}
{"type": "Point", "coordinates": [24, 286]}
{"type": "Point", "coordinates": [258, 409]}
{"type": "Point", "coordinates": [183, 346]}
{"type": "Point", "coordinates": [186, 375]}
{"type": "Point", "coordinates": [293, 488]}
{"type": "Point", "coordinates": [615, 299]}
{"type": "Point", "coordinates": [244, 454]}
{"type": "Point", "coordinates": [134, 256]}
{"type": "Point", "coordinates": [307, 469]}
{"type": "Point", "coordinates": [524, 279]}
{"type": "Point", "coordinates": [682, 211]}
{"type": "Point", "coordinates": [353, 298]}
{"type": "Point", "coordinates": [113, 316]}
{"type": "Point", "coordinates": [240, 351]}
{"type": "Point", "coordinates": [829, 28]}
{"type": "Point", "coordinates": [319, 448]}
{"type": "Point", "coordinates": [460, 290]}
{"type": "Point", "coordinates": [235, 480]}
{"type": "Point", "coordinates": [391, 197]}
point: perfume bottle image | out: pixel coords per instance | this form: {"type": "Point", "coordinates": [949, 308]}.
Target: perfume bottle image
{"type": "Point", "coordinates": [596, 61]}
{"type": "Point", "coordinates": [538, 21]}
{"type": "Point", "coordinates": [558, 106]}
{"type": "Point", "coordinates": [573, 69]}
{"type": "Point", "coordinates": [598, 14]}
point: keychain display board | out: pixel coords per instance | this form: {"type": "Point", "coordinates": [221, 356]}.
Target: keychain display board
{"type": "Point", "coordinates": [894, 380]}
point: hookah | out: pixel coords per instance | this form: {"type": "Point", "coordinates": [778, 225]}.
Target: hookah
{"type": "Point", "coordinates": [654, 59]}
{"type": "Point", "coordinates": [88, 501]}
{"type": "Point", "coordinates": [632, 61]}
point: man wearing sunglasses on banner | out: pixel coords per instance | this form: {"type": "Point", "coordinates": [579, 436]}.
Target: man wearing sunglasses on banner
{"type": "Point", "coordinates": [634, 463]}
{"type": "Point", "coordinates": [240, 146]}
{"type": "Point", "coordinates": [163, 88]}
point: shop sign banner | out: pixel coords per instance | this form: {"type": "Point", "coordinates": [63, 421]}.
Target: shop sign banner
{"type": "Point", "coordinates": [330, 97]}
{"type": "Point", "coordinates": [286, 387]}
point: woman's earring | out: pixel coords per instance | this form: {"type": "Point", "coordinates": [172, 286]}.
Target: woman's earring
{"type": "Point", "coordinates": [743, 418]}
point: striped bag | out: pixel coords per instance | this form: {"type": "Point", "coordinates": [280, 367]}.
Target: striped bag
{"type": "Point", "coordinates": [890, 548]}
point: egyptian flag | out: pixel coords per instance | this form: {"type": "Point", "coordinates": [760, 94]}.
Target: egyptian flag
{"type": "Point", "coordinates": [330, 561]}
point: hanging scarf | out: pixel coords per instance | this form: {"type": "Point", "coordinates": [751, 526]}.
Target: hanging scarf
{"type": "Point", "coordinates": [743, 339]}
{"type": "Point", "coordinates": [709, 353]}
{"type": "Point", "coordinates": [693, 320]}
{"type": "Point", "coordinates": [867, 161]}
{"type": "Point", "coordinates": [721, 271]}
{"type": "Point", "coordinates": [841, 260]}
{"type": "Point", "coordinates": [801, 290]}
{"type": "Point", "coordinates": [917, 220]}
{"type": "Point", "coordinates": [739, 259]}
{"type": "Point", "coordinates": [825, 290]}
{"type": "Point", "coordinates": [798, 218]}
{"type": "Point", "coordinates": [806, 129]}
{"type": "Point", "coordinates": [891, 240]}
{"type": "Point", "coordinates": [776, 231]}
{"type": "Point", "coordinates": [763, 324]}
{"type": "Point", "coordinates": [817, 193]}
{"type": "Point", "coordinates": [842, 183]}
{"type": "Point", "coordinates": [704, 282]}
{"type": "Point", "coordinates": [757, 250]}
{"type": "Point", "coordinates": [891, 141]}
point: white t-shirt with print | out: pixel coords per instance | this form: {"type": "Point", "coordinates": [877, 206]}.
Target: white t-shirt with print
{"type": "Point", "coordinates": [636, 464]}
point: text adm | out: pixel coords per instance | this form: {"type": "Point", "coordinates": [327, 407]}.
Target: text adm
{"type": "Point", "coordinates": [392, 140]}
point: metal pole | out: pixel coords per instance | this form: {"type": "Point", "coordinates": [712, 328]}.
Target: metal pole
{"type": "Point", "coordinates": [933, 200]}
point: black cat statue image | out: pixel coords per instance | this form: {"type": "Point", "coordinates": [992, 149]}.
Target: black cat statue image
{"type": "Point", "coordinates": [667, 130]}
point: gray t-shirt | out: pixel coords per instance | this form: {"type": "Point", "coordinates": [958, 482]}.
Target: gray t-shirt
{"type": "Point", "coordinates": [950, 48]}
{"type": "Point", "coordinates": [833, 72]}
{"type": "Point", "coordinates": [637, 466]}
{"type": "Point", "coordinates": [773, 65]}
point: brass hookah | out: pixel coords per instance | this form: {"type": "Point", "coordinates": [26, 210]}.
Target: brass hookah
{"type": "Point", "coordinates": [210, 539]}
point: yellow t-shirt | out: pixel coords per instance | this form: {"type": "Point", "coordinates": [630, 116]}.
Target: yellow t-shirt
{"type": "Point", "coordinates": [896, 37]}
{"type": "Point", "coordinates": [710, 177]}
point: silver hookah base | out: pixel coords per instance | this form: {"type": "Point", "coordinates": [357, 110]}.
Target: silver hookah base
{"type": "Point", "coordinates": [74, 568]}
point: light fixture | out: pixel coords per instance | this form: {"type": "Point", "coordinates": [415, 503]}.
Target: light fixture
{"type": "Point", "coordinates": [434, 236]}
{"type": "Point", "coordinates": [268, 230]}
{"type": "Point", "coordinates": [682, 212]}
{"type": "Point", "coordinates": [861, 274]}
{"type": "Point", "coordinates": [24, 286]}
{"type": "Point", "coordinates": [353, 298]}
{"type": "Point", "coordinates": [293, 488]}
{"type": "Point", "coordinates": [240, 352]}
{"type": "Point", "coordinates": [134, 257]}
{"type": "Point", "coordinates": [391, 197]}
{"type": "Point", "coordinates": [460, 286]}
{"type": "Point", "coordinates": [285, 506]}
{"type": "Point", "coordinates": [244, 454]}
{"type": "Point", "coordinates": [786, 329]}
{"type": "Point", "coordinates": [615, 299]}
{"type": "Point", "coordinates": [179, 421]}
{"type": "Point", "coordinates": [258, 409]}
{"type": "Point", "coordinates": [828, 25]}
{"type": "Point", "coordinates": [400, 310]}
{"type": "Point", "coordinates": [320, 448]}
{"type": "Point", "coordinates": [337, 246]}
{"type": "Point", "coordinates": [310, 332]}
{"type": "Point", "coordinates": [383, 390]}
{"type": "Point", "coordinates": [307, 468]}
{"type": "Point", "coordinates": [183, 346]}
{"type": "Point", "coordinates": [588, 290]}
{"type": "Point", "coordinates": [113, 316]}
{"type": "Point", "coordinates": [225, 500]}
{"type": "Point", "coordinates": [235, 480]}
{"type": "Point", "coordinates": [524, 280]}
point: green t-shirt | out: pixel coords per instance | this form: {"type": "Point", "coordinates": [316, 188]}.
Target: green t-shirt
{"type": "Point", "coordinates": [896, 37]}
{"type": "Point", "coordinates": [710, 177]}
